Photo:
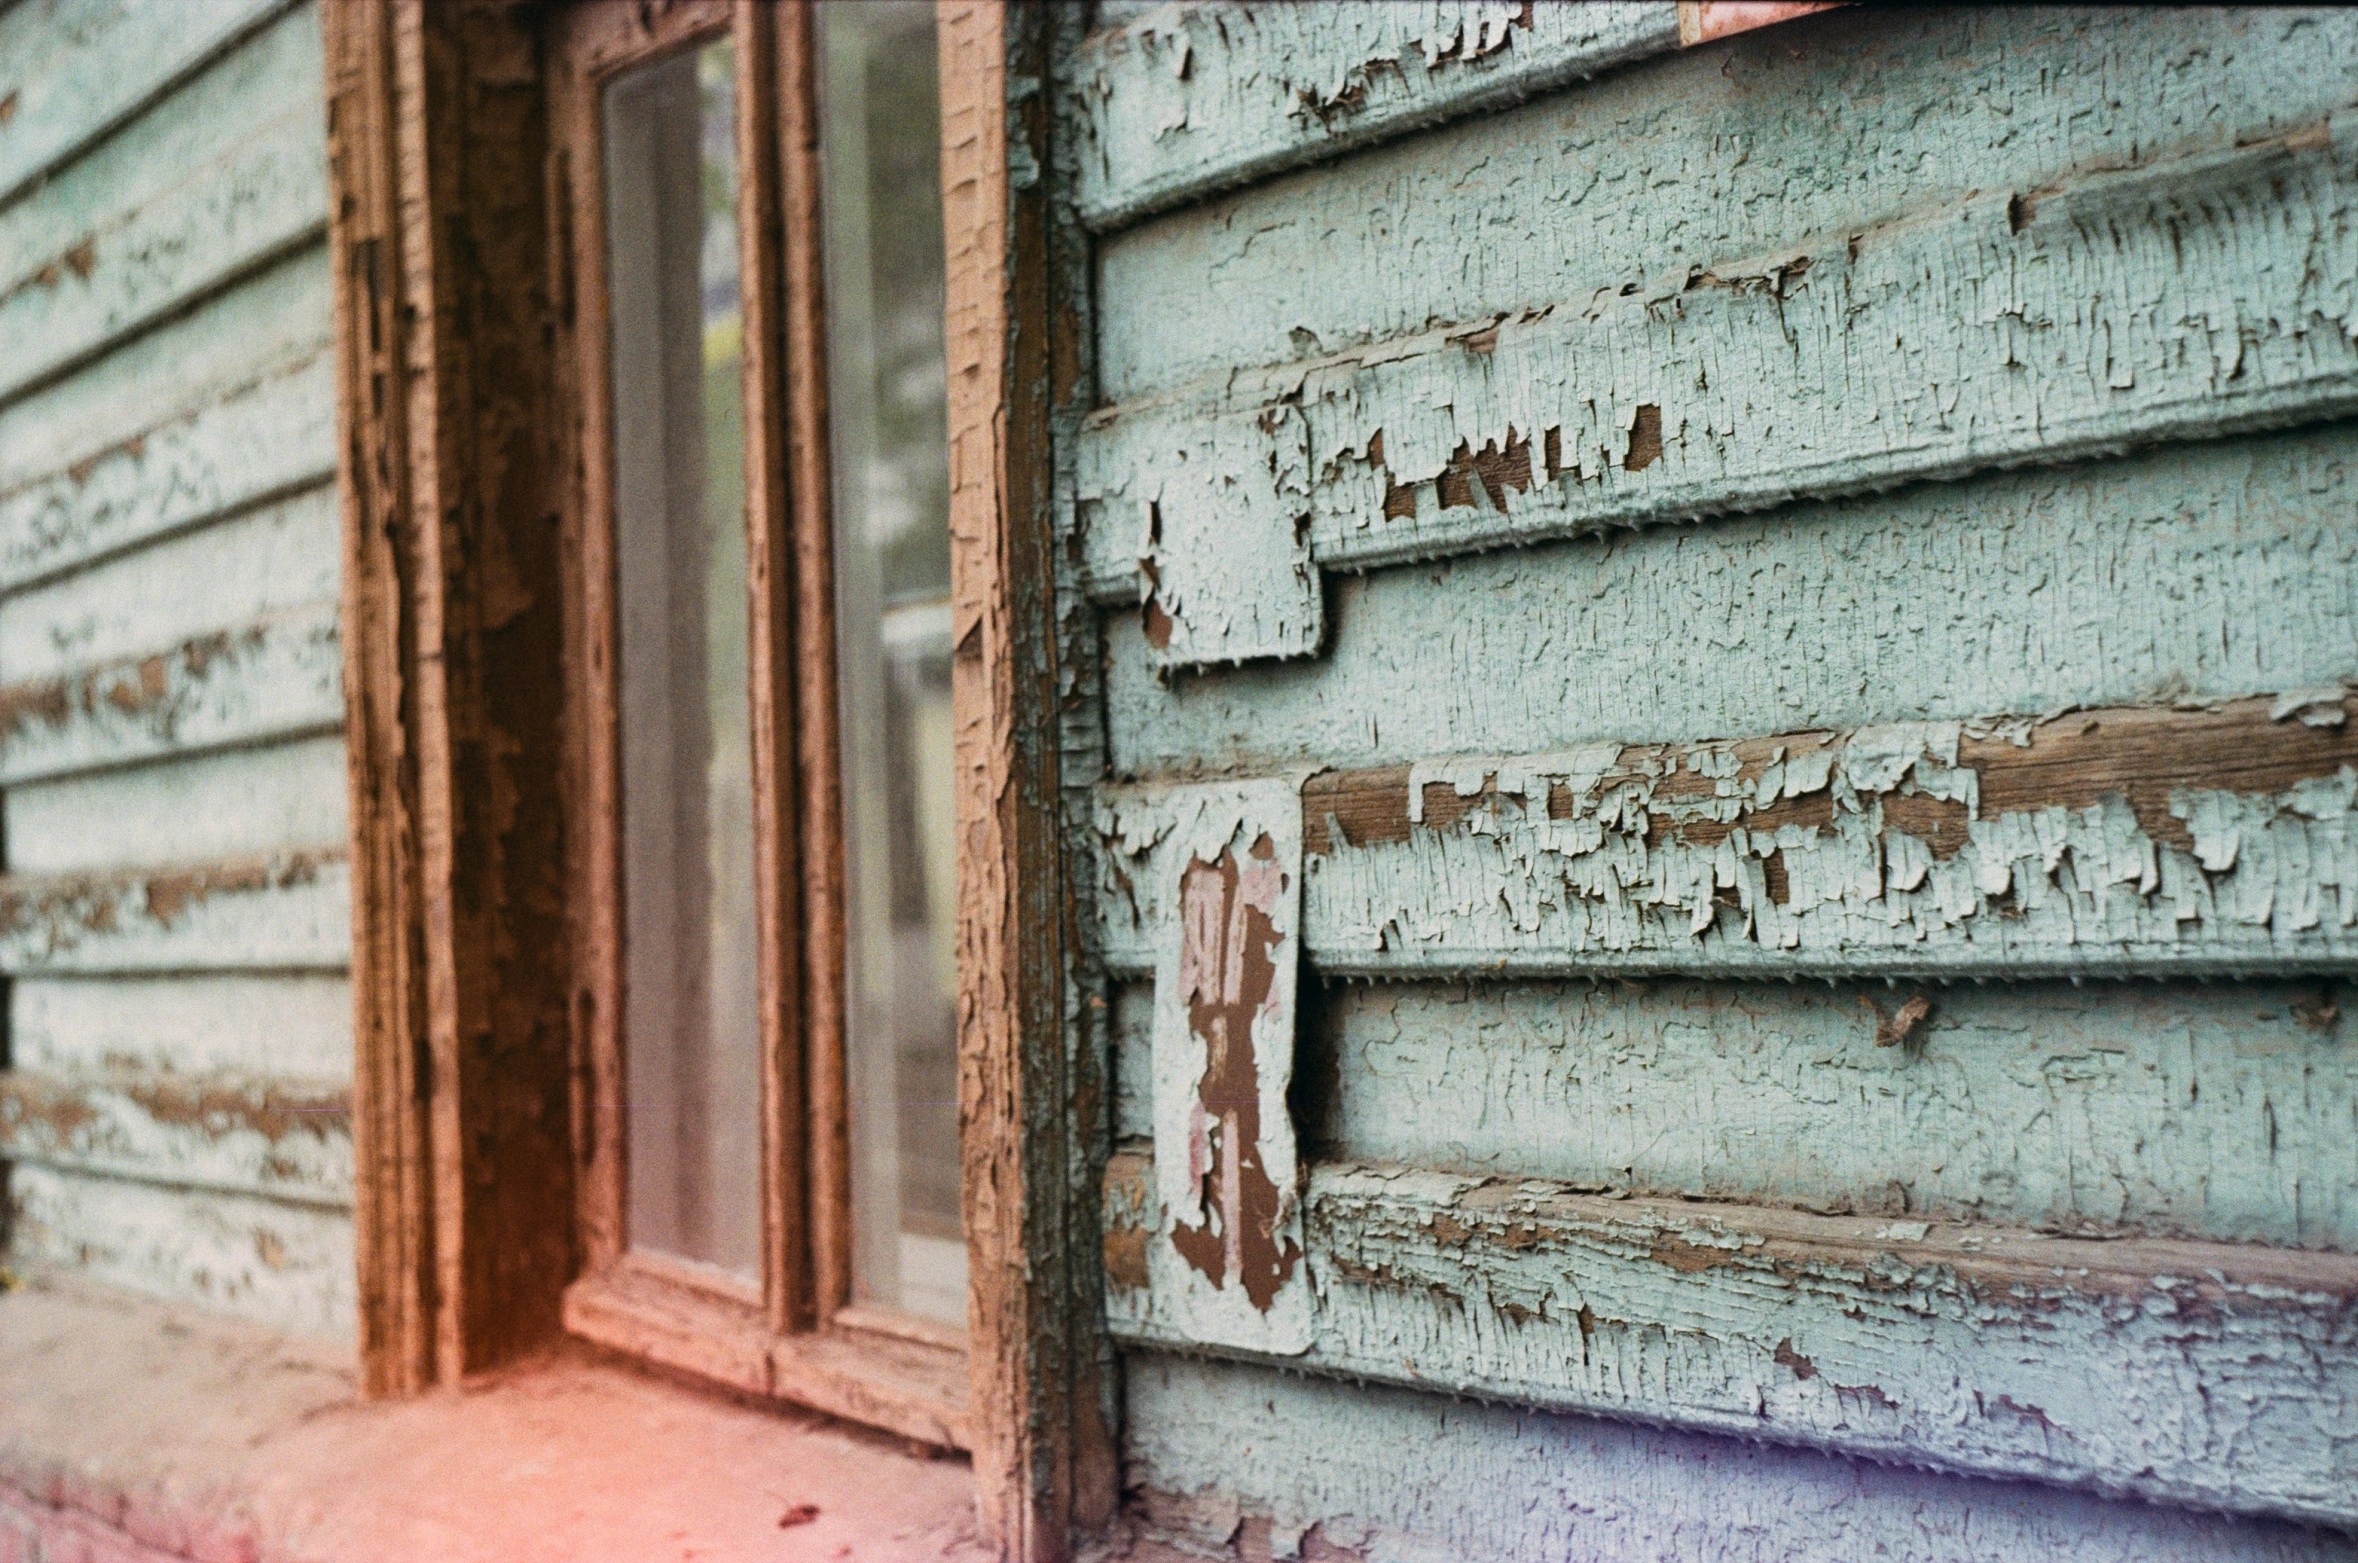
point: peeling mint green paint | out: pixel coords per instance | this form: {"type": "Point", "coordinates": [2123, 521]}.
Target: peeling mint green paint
{"type": "Point", "coordinates": [170, 660]}
{"type": "Point", "coordinates": [1909, 378]}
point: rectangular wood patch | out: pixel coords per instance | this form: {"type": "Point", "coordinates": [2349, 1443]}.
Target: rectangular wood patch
{"type": "Point", "coordinates": [1226, 1263]}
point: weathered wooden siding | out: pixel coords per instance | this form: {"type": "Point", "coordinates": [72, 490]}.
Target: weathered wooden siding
{"type": "Point", "coordinates": [1865, 501]}
{"type": "Point", "coordinates": [175, 913]}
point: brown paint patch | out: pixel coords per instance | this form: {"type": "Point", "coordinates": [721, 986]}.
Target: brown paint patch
{"type": "Point", "coordinates": [1786, 1357]}
{"type": "Point", "coordinates": [1125, 1257]}
{"type": "Point", "coordinates": [1778, 881]}
{"type": "Point", "coordinates": [1228, 973]}
{"type": "Point", "coordinates": [82, 259]}
{"type": "Point", "coordinates": [1689, 1258]}
{"type": "Point", "coordinates": [8, 107]}
{"type": "Point", "coordinates": [1645, 439]}
{"type": "Point", "coordinates": [1893, 1030]}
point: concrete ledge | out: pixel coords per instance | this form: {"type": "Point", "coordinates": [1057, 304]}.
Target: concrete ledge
{"type": "Point", "coordinates": [134, 1432]}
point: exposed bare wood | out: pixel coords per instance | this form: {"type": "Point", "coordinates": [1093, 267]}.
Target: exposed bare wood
{"type": "Point", "coordinates": [268, 1138]}
{"type": "Point", "coordinates": [2124, 841]}
{"type": "Point", "coordinates": [803, 626]}
{"type": "Point", "coordinates": [1042, 1464]}
{"type": "Point", "coordinates": [436, 130]}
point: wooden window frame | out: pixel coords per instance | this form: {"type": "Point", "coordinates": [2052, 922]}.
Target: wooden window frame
{"type": "Point", "coordinates": [798, 1334]}
{"type": "Point", "coordinates": [454, 256]}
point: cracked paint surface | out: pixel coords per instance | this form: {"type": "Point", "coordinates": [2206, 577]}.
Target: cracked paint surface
{"type": "Point", "coordinates": [2214, 840]}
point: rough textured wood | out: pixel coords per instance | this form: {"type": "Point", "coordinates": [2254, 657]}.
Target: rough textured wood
{"type": "Point", "coordinates": [1228, 1249]}
{"type": "Point", "coordinates": [436, 135]}
{"type": "Point", "coordinates": [639, 1307]}
{"type": "Point", "coordinates": [1736, 386]}
{"type": "Point", "coordinates": [1043, 1468]}
{"type": "Point", "coordinates": [279, 678]}
{"type": "Point", "coordinates": [70, 80]}
{"type": "Point", "coordinates": [85, 261]}
{"type": "Point", "coordinates": [775, 97]}
{"type": "Point", "coordinates": [2206, 1374]}
{"type": "Point", "coordinates": [287, 912]}
{"type": "Point", "coordinates": [1442, 1481]}
{"type": "Point", "coordinates": [2030, 591]}
{"type": "Point", "coordinates": [1184, 101]}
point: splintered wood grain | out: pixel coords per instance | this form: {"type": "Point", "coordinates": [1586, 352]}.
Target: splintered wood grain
{"type": "Point", "coordinates": [2196, 1373]}
{"type": "Point", "coordinates": [2212, 840]}
{"type": "Point", "coordinates": [440, 235]}
{"type": "Point", "coordinates": [1043, 1451]}
{"type": "Point", "coordinates": [2217, 570]}
{"type": "Point", "coordinates": [1350, 1473]}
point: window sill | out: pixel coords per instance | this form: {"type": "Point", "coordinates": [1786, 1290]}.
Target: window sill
{"type": "Point", "coordinates": [135, 1429]}
{"type": "Point", "coordinates": [903, 1379]}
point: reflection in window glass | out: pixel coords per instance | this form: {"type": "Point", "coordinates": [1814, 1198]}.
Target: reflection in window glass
{"type": "Point", "coordinates": [690, 1009]}
{"type": "Point", "coordinates": [880, 135]}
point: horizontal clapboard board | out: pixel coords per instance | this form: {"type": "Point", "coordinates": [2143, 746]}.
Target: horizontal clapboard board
{"type": "Point", "coordinates": [2195, 1373]}
{"type": "Point", "coordinates": [2218, 840]}
{"type": "Point", "coordinates": [2192, 296]}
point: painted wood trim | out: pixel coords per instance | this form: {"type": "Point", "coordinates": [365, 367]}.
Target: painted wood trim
{"type": "Point", "coordinates": [2132, 841]}
{"type": "Point", "coordinates": [1484, 434]}
{"type": "Point", "coordinates": [1189, 100]}
{"type": "Point", "coordinates": [258, 1137]}
{"type": "Point", "coordinates": [808, 760]}
{"type": "Point", "coordinates": [2181, 1372]}
{"type": "Point", "coordinates": [393, 1236]}
{"type": "Point", "coordinates": [462, 1081]}
{"type": "Point", "coordinates": [777, 646]}
{"type": "Point", "coordinates": [276, 679]}
{"type": "Point", "coordinates": [661, 1311]}
{"type": "Point", "coordinates": [68, 97]}
{"type": "Point", "coordinates": [1044, 1461]}
{"type": "Point", "coordinates": [285, 912]}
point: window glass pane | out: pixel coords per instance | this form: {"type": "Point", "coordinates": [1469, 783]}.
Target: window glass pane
{"type": "Point", "coordinates": [880, 140]}
{"type": "Point", "coordinates": [691, 1032]}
